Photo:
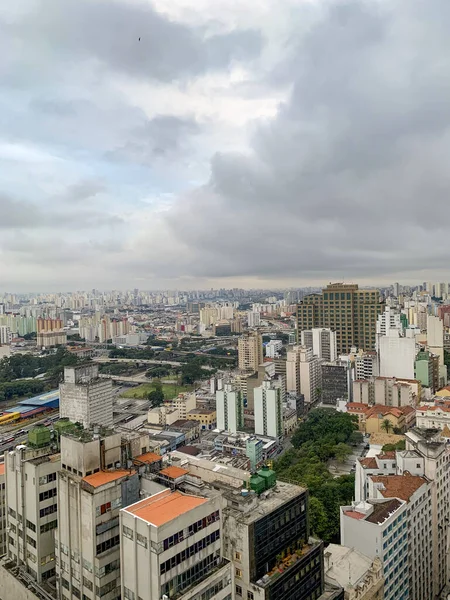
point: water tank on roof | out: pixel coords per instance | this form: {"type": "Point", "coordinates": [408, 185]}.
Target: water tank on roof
{"type": "Point", "coordinates": [268, 476]}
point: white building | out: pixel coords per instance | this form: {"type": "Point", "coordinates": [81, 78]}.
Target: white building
{"type": "Point", "coordinates": [253, 318]}
{"type": "Point", "coordinates": [268, 410]}
{"type": "Point", "coordinates": [3, 536]}
{"type": "Point", "coordinates": [32, 509]}
{"type": "Point", "coordinates": [397, 356]}
{"type": "Point", "coordinates": [310, 375]}
{"type": "Point", "coordinates": [273, 348]}
{"type": "Point", "coordinates": [378, 529]}
{"type": "Point", "coordinates": [5, 335]}
{"type": "Point", "coordinates": [435, 337]}
{"type": "Point", "coordinates": [388, 321]}
{"type": "Point", "coordinates": [85, 398]}
{"type": "Point", "coordinates": [171, 542]}
{"type": "Point", "coordinates": [184, 403]}
{"type": "Point", "coordinates": [322, 341]}
{"type": "Point", "coordinates": [230, 409]}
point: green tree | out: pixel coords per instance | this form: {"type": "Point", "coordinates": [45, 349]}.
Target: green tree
{"type": "Point", "coordinates": [386, 425]}
{"type": "Point", "coordinates": [191, 372]}
{"type": "Point", "coordinates": [318, 517]}
{"type": "Point", "coordinates": [355, 438]}
{"type": "Point", "coordinates": [156, 397]}
{"type": "Point", "coordinates": [342, 452]}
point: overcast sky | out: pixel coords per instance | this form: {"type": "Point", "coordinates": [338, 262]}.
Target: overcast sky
{"type": "Point", "coordinates": [198, 143]}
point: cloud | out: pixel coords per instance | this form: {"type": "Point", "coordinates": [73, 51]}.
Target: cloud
{"type": "Point", "coordinates": [304, 143]}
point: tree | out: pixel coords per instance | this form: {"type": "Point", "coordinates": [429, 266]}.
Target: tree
{"type": "Point", "coordinates": [318, 517]}
{"type": "Point", "coordinates": [191, 372]}
{"type": "Point", "coordinates": [342, 452]}
{"type": "Point", "coordinates": [355, 438]}
{"type": "Point", "coordinates": [156, 397]}
{"type": "Point", "coordinates": [386, 425]}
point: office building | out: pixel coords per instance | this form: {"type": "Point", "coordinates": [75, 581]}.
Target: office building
{"type": "Point", "coordinates": [230, 409]}
{"type": "Point", "coordinates": [268, 407]}
{"type": "Point", "coordinates": [93, 486]}
{"type": "Point", "coordinates": [334, 382]}
{"type": "Point", "coordinates": [345, 309]}
{"type": "Point", "coordinates": [32, 508]}
{"type": "Point", "coordinates": [250, 351]}
{"type": "Point", "coordinates": [322, 341]}
{"type": "Point", "coordinates": [86, 398]}
{"type": "Point", "coordinates": [172, 542]}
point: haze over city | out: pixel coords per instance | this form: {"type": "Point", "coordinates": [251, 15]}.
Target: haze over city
{"type": "Point", "coordinates": [219, 144]}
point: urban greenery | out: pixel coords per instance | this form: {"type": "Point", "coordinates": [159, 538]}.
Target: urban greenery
{"type": "Point", "coordinates": [170, 390]}
{"type": "Point", "coordinates": [324, 434]}
{"type": "Point", "coordinates": [401, 445]}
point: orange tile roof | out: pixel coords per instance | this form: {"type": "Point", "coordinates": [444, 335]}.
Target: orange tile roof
{"type": "Point", "coordinates": [103, 477]}
{"type": "Point", "coordinates": [389, 455]}
{"type": "Point", "coordinates": [173, 472]}
{"type": "Point", "coordinates": [2, 468]}
{"type": "Point", "coordinates": [164, 507]}
{"type": "Point", "coordinates": [399, 486]}
{"type": "Point", "coordinates": [369, 462]}
{"type": "Point", "coordinates": [354, 514]}
{"type": "Point", "coordinates": [148, 457]}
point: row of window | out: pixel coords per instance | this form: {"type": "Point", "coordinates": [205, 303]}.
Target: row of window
{"type": "Point", "coordinates": [48, 494]}
{"type": "Point", "coordinates": [190, 576]}
{"type": "Point", "coordinates": [47, 478]}
{"type": "Point", "coordinates": [48, 510]}
{"type": "Point", "coordinates": [108, 544]}
{"type": "Point", "coordinates": [191, 551]}
{"type": "Point", "coordinates": [108, 506]}
{"type": "Point", "coordinates": [141, 539]}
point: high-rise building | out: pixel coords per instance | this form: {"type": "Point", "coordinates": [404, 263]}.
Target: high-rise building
{"type": "Point", "coordinates": [268, 407]}
{"type": "Point", "coordinates": [250, 351]}
{"type": "Point", "coordinates": [334, 382]}
{"type": "Point", "coordinates": [93, 486]}
{"type": "Point", "coordinates": [3, 534]}
{"type": "Point", "coordinates": [273, 348]}
{"type": "Point", "coordinates": [397, 356]}
{"type": "Point", "coordinates": [5, 334]}
{"type": "Point", "coordinates": [310, 375]}
{"type": "Point", "coordinates": [344, 308]}
{"type": "Point", "coordinates": [171, 543]}
{"type": "Point", "coordinates": [253, 318]}
{"type": "Point", "coordinates": [322, 341]}
{"type": "Point", "coordinates": [86, 398]}
{"type": "Point", "coordinates": [230, 409]}
{"type": "Point", "coordinates": [32, 508]}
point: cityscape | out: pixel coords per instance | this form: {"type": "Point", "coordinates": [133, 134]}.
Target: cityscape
{"type": "Point", "coordinates": [224, 300]}
{"type": "Point", "coordinates": [226, 443]}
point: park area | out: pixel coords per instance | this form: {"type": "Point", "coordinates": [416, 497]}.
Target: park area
{"type": "Point", "coordinates": [170, 390]}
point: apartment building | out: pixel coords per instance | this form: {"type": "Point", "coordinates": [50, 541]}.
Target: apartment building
{"type": "Point", "coordinates": [86, 398]}
{"type": "Point", "coordinates": [310, 375]}
{"type": "Point", "coordinates": [92, 487]}
{"type": "Point", "coordinates": [268, 410]}
{"type": "Point", "coordinates": [230, 409]}
{"type": "Point", "coordinates": [335, 379]}
{"type": "Point", "coordinates": [345, 309]}
{"type": "Point", "coordinates": [386, 390]}
{"type": "Point", "coordinates": [171, 545]}
{"type": "Point", "coordinates": [32, 509]}
{"type": "Point", "coordinates": [378, 528]}
{"type": "Point", "coordinates": [184, 403]}
{"type": "Point", "coordinates": [250, 351]}
{"type": "Point", "coordinates": [322, 341]}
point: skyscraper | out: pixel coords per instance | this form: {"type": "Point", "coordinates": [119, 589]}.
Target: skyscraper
{"type": "Point", "coordinates": [344, 308]}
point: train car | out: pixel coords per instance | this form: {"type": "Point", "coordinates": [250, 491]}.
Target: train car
{"type": "Point", "coordinates": [9, 418]}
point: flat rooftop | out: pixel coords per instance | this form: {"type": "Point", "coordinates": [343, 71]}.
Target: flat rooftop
{"type": "Point", "coordinates": [164, 507]}
{"type": "Point", "coordinates": [174, 472]}
{"type": "Point", "coordinates": [103, 477]}
{"type": "Point", "coordinates": [148, 458]}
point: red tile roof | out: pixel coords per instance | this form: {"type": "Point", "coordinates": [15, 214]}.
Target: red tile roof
{"type": "Point", "coordinates": [104, 477]}
{"type": "Point", "coordinates": [399, 486]}
{"type": "Point", "coordinates": [173, 472]}
{"type": "Point", "coordinates": [164, 507]}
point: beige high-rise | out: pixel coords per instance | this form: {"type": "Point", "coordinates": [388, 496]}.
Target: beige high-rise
{"type": "Point", "coordinates": [250, 351]}
{"type": "Point", "coordinates": [344, 308]}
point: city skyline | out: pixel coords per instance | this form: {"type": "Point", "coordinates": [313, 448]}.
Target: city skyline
{"type": "Point", "coordinates": [206, 144]}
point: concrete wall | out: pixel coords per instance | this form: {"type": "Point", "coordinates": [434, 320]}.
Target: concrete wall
{"type": "Point", "coordinates": [13, 589]}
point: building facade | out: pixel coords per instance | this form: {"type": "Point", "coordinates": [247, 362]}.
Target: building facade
{"type": "Point", "coordinates": [230, 409]}
{"type": "Point", "coordinates": [268, 410]}
{"type": "Point", "coordinates": [250, 351]}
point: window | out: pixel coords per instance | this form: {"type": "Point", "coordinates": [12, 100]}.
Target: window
{"type": "Point", "coordinates": [87, 584]}
{"type": "Point", "coordinates": [48, 494]}
{"type": "Point", "coordinates": [31, 525]}
{"type": "Point", "coordinates": [49, 526]}
{"type": "Point", "coordinates": [239, 573]}
{"type": "Point", "coordinates": [141, 540]}
{"type": "Point", "coordinates": [103, 509]}
{"type": "Point", "coordinates": [31, 542]}
{"type": "Point", "coordinates": [108, 544]}
{"type": "Point", "coordinates": [128, 594]}
{"type": "Point", "coordinates": [238, 590]}
{"type": "Point", "coordinates": [250, 596]}
{"type": "Point", "coordinates": [49, 510]}
{"type": "Point", "coordinates": [127, 532]}
{"type": "Point", "coordinates": [237, 555]}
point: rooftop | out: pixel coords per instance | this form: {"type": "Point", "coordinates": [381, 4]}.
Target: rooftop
{"type": "Point", "coordinates": [383, 510]}
{"type": "Point", "coordinates": [399, 486]}
{"type": "Point", "coordinates": [201, 411]}
{"type": "Point", "coordinates": [173, 472]}
{"type": "Point", "coordinates": [103, 477]}
{"type": "Point", "coordinates": [381, 439]}
{"type": "Point", "coordinates": [148, 458]}
{"type": "Point", "coordinates": [345, 565]}
{"type": "Point", "coordinates": [164, 507]}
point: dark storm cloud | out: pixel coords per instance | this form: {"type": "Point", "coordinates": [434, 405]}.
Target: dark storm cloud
{"type": "Point", "coordinates": [351, 178]}
{"type": "Point", "coordinates": [109, 31]}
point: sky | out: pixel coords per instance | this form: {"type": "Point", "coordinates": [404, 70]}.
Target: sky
{"type": "Point", "coordinates": [220, 143]}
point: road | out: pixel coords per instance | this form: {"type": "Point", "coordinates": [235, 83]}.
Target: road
{"type": "Point", "coordinates": [145, 361]}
